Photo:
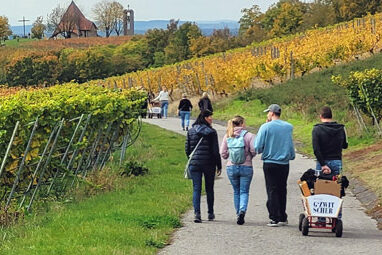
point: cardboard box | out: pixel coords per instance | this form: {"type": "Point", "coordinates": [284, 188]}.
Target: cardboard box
{"type": "Point", "coordinates": [327, 187]}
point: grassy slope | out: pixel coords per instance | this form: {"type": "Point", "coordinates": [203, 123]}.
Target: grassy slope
{"type": "Point", "coordinates": [135, 219]}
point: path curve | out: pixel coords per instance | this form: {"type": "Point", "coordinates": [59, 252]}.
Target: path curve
{"type": "Point", "coordinates": [224, 236]}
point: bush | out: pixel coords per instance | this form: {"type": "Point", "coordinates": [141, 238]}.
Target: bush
{"type": "Point", "coordinates": [133, 168]}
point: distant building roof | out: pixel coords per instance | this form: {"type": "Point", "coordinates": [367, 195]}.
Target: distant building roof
{"type": "Point", "coordinates": [74, 21]}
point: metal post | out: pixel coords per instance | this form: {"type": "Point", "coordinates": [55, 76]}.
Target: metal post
{"type": "Point", "coordinates": [38, 165]}
{"type": "Point", "coordinates": [9, 147]}
{"type": "Point", "coordinates": [66, 152]}
{"type": "Point", "coordinates": [46, 164]}
{"type": "Point", "coordinates": [76, 150]}
{"type": "Point", "coordinates": [21, 166]}
{"type": "Point", "coordinates": [102, 144]}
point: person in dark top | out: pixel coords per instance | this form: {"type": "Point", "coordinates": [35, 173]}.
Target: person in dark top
{"type": "Point", "coordinates": [328, 139]}
{"type": "Point", "coordinates": [205, 103]}
{"type": "Point", "coordinates": [205, 161]}
{"type": "Point", "coordinates": [184, 110]}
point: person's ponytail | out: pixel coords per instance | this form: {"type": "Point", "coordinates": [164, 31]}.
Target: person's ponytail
{"type": "Point", "coordinates": [232, 123]}
{"type": "Point", "coordinates": [230, 129]}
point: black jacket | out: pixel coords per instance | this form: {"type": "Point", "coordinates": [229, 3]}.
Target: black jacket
{"type": "Point", "coordinates": [328, 138]}
{"type": "Point", "coordinates": [207, 154]}
{"type": "Point", "coordinates": [205, 104]}
{"type": "Point", "coordinates": [185, 105]}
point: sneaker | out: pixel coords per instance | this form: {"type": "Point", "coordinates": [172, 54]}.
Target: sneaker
{"type": "Point", "coordinates": [273, 223]}
{"type": "Point", "coordinates": [197, 218]}
{"type": "Point", "coordinates": [240, 218]}
{"type": "Point", "coordinates": [211, 216]}
{"type": "Point", "coordinates": [183, 128]}
{"type": "Point", "coordinates": [283, 223]}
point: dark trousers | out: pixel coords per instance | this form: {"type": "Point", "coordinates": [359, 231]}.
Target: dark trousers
{"type": "Point", "coordinates": [276, 176]}
{"type": "Point", "coordinates": [209, 179]}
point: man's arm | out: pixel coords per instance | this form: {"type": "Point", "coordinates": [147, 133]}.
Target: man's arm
{"type": "Point", "coordinates": [316, 147]}
{"type": "Point", "coordinates": [215, 150]}
{"type": "Point", "coordinates": [345, 141]}
{"type": "Point", "coordinates": [260, 140]}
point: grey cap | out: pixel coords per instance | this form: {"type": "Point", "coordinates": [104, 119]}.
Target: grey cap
{"type": "Point", "coordinates": [273, 108]}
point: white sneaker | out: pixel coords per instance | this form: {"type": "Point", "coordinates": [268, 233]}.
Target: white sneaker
{"type": "Point", "coordinates": [273, 224]}
{"type": "Point", "coordinates": [283, 223]}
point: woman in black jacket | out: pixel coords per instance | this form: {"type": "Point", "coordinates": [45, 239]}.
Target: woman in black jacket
{"type": "Point", "coordinates": [206, 159]}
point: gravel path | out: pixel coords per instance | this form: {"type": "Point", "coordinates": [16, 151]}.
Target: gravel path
{"type": "Point", "coordinates": [224, 236]}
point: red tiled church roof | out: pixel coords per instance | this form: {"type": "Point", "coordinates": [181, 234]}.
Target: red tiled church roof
{"type": "Point", "coordinates": [74, 18]}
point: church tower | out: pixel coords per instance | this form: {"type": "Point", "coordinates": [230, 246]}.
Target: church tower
{"type": "Point", "coordinates": [128, 22]}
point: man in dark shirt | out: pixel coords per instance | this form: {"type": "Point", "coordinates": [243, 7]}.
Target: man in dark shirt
{"type": "Point", "coordinates": [329, 138]}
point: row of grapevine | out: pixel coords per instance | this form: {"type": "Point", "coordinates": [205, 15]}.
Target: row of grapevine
{"type": "Point", "coordinates": [50, 137]}
{"type": "Point", "coordinates": [270, 61]}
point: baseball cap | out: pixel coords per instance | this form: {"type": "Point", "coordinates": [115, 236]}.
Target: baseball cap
{"type": "Point", "coordinates": [273, 108]}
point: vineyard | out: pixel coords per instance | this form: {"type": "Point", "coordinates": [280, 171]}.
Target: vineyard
{"type": "Point", "coordinates": [61, 134]}
{"type": "Point", "coordinates": [268, 62]}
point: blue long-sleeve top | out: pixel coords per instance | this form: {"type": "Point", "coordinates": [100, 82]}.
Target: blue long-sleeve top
{"type": "Point", "coordinates": [274, 140]}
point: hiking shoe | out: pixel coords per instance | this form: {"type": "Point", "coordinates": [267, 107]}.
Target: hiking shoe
{"type": "Point", "coordinates": [211, 216]}
{"type": "Point", "coordinates": [240, 218]}
{"type": "Point", "coordinates": [283, 223]}
{"type": "Point", "coordinates": [273, 223]}
{"type": "Point", "coordinates": [197, 218]}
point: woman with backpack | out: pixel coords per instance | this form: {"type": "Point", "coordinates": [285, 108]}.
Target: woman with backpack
{"type": "Point", "coordinates": [205, 161]}
{"type": "Point", "coordinates": [237, 148]}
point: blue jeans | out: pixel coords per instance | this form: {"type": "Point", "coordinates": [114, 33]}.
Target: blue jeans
{"type": "Point", "coordinates": [164, 106]}
{"type": "Point", "coordinates": [336, 166]}
{"type": "Point", "coordinates": [209, 178]}
{"type": "Point", "coordinates": [240, 178]}
{"type": "Point", "coordinates": [185, 117]}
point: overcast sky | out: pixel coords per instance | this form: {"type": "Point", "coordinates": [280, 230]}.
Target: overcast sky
{"type": "Point", "coordinates": [191, 10]}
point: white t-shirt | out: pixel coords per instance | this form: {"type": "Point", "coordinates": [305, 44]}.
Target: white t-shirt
{"type": "Point", "coordinates": [163, 96]}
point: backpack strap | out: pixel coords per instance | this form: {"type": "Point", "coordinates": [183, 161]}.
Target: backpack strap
{"type": "Point", "coordinates": [243, 133]}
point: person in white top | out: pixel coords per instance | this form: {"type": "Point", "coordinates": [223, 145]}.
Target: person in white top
{"type": "Point", "coordinates": [163, 99]}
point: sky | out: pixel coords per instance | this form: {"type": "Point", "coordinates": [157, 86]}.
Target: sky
{"type": "Point", "coordinates": [190, 10]}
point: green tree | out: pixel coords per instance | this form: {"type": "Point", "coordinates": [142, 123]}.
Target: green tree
{"type": "Point", "coordinates": [284, 18]}
{"type": "Point", "coordinates": [178, 48]}
{"type": "Point", "coordinates": [38, 28]}
{"type": "Point", "coordinates": [251, 17]}
{"type": "Point", "coordinates": [5, 30]}
{"type": "Point", "coordinates": [157, 40]}
{"type": "Point", "coordinates": [320, 13]}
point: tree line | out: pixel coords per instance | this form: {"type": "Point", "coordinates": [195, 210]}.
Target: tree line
{"type": "Point", "coordinates": [292, 16]}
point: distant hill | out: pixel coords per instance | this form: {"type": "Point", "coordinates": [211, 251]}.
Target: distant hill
{"type": "Point", "coordinates": [141, 27]}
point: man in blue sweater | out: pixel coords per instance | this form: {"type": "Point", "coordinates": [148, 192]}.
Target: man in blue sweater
{"type": "Point", "coordinates": [274, 141]}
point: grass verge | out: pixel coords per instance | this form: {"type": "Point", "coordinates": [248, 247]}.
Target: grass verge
{"type": "Point", "coordinates": [135, 218]}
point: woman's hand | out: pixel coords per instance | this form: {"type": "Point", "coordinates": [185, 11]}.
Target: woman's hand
{"type": "Point", "coordinates": [218, 172]}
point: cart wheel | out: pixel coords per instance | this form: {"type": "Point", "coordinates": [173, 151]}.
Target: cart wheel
{"type": "Point", "coordinates": [305, 227]}
{"type": "Point", "coordinates": [301, 218]}
{"type": "Point", "coordinates": [334, 222]}
{"type": "Point", "coordinates": [339, 228]}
